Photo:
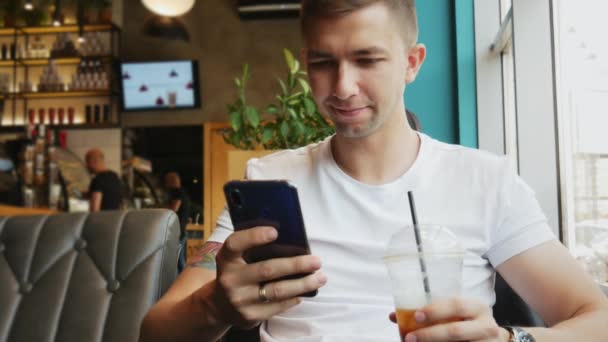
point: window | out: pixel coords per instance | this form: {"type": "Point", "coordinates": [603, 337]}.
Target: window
{"type": "Point", "coordinates": [508, 84]}
{"type": "Point", "coordinates": [581, 60]}
{"type": "Point", "coordinates": [542, 89]}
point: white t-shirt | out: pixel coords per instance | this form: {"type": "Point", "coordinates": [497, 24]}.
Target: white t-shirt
{"type": "Point", "coordinates": [348, 223]}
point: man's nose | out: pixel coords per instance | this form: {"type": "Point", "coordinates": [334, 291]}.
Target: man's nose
{"type": "Point", "coordinates": [346, 83]}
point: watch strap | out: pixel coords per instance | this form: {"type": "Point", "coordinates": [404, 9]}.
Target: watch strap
{"type": "Point", "coordinates": [519, 334]}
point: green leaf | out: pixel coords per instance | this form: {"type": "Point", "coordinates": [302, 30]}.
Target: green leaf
{"type": "Point", "coordinates": [295, 95]}
{"type": "Point", "coordinates": [235, 121]}
{"type": "Point", "coordinates": [283, 86]}
{"type": "Point", "coordinates": [272, 109]}
{"type": "Point", "coordinates": [300, 127]}
{"type": "Point", "coordinates": [289, 59]}
{"type": "Point", "coordinates": [245, 73]}
{"type": "Point", "coordinates": [309, 105]}
{"type": "Point", "coordinates": [235, 140]}
{"type": "Point", "coordinates": [237, 81]}
{"type": "Point", "coordinates": [296, 67]}
{"type": "Point", "coordinates": [304, 85]}
{"type": "Point", "coordinates": [267, 134]}
{"type": "Point", "coordinates": [252, 116]}
{"type": "Point", "coordinates": [284, 129]}
{"type": "Point", "coordinates": [292, 113]}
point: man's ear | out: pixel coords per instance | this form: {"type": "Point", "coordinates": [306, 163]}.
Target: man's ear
{"type": "Point", "coordinates": [415, 58]}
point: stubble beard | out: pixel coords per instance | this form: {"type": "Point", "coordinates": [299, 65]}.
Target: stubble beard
{"type": "Point", "coordinates": [359, 131]}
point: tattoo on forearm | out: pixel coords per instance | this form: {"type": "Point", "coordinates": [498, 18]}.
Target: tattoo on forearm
{"type": "Point", "coordinates": [205, 257]}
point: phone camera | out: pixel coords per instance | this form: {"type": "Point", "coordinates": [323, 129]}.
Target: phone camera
{"type": "Point", "coordinates": [235, 197]}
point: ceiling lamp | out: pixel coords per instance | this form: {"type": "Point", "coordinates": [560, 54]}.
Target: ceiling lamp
{"type": "Point", "coordinates": [165, 24]}
{"type": "Point", "coordinates": [28, 6]}
{"type": "Point", "coordinates": [169, 8]}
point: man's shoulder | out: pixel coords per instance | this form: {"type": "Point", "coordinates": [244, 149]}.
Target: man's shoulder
{"type": "Point", "coordinates": [106, 177]}
{"type": "Point", "coordinates": [286, 163]}
{"type": "Point", "coordinates": [462, 160]}
{"type": "Point", "coordinates": [464, 153]}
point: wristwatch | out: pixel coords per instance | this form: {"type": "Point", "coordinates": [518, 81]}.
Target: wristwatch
{"type": "Point", "coordinates": [519, 335]}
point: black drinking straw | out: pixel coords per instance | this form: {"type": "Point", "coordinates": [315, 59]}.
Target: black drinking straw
{"type": "Point", "coordinates": [425, 279]}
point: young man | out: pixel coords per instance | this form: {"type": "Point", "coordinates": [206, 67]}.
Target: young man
{"type": "Point", "coordinates": [105, 190]}
{"type": "Point", "coordinates": [360, 55]}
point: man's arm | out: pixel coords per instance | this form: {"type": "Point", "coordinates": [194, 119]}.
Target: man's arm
{"type": "Point", "coordinates": [548, 279]}
{"type": "Point", "coordinates": [567, 299]}
{"type": "Point", "coordinates": [95, 201]}
{"type": "Point", "coordinates": [177, 316]}
{"type": "Point", "coordinates": [199, 307]}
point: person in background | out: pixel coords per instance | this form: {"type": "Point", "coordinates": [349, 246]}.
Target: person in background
{"type": "Point", "coordinates": [105, 190]}
{"type": "Point", "coordinates": [178, 200]}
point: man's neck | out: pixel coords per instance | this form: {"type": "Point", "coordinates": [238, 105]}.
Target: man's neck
{"type": "Point", "coordinates": [381, 157]}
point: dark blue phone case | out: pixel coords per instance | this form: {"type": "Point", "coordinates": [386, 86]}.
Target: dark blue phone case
{"type": "Point", "coordinates": [274, 203]}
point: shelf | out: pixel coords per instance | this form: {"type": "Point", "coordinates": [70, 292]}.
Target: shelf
{"type": "Point", "coordinates": [8, 63]}
{"type": "Point", "coordinates": [61, 61]}
{"type": "Point", "coordinates": [65, 29]}
{"type": "Point", "coordinates": [7, 31]}
{"type": "Point", "coordinates": [21, 128]}
{"type": "Point", "coordinates": [63, 94]}
{"type": "Point", "coordinates": [58, 61]}
{"type": "Point", "coordinates": [11, 31]}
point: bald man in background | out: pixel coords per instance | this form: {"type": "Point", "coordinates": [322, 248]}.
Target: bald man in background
{"type": "Point", "coordinates": [105, 190]}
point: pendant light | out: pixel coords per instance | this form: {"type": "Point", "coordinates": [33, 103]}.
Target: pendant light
{"type": "Point", "coordinates": [165, 24]}
{"type": "Point", "coordinates": [169, 8]}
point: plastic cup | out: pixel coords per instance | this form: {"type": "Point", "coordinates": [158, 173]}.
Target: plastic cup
{"type": "Point", "coordinates": [442, 261]}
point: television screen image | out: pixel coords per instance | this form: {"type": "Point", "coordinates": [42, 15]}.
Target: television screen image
{"type": "Point", "coordinates": [159, 85]}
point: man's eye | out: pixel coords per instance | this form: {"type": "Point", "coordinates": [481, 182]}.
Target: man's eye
{"type": "Point", "coordinates": [368, 61]}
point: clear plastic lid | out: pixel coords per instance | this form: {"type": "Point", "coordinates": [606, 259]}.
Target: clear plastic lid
{"type": "Point", "coordinates": [435, 239]}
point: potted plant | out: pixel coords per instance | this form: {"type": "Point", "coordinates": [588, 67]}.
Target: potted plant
{"type": "Point", "coordinates": [295, 120]}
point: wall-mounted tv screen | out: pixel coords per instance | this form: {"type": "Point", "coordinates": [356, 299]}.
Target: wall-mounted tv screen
{"type": "Point", "coordinates": [162, 85]}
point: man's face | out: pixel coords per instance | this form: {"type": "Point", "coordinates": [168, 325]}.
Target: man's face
{"type": "Point", "coordinates": [357, 68]}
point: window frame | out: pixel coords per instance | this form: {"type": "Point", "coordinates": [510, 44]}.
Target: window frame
{"type": "Point", "coordinates": [537, 156]}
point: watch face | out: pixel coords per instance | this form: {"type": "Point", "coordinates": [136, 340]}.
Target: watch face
{"type": "Point", "coordinates": [522, 336]}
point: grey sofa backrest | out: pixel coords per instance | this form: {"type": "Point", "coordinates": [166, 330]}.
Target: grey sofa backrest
{"type": "Point", "coordinates": [84, 277]}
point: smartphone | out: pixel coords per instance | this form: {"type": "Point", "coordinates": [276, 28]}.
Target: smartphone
{"type": "Point", "coordinates": [273, 203]}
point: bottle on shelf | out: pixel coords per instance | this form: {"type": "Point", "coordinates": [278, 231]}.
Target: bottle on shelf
{"type": "Point", "coordinates": [36, 49]}
{"type": "Point", "coordinates": [13, 51]}
{"type": "Point", "coordinates": [50, 81]}
{"type": "Point", "coordinates": [90, 75]}
{"type": "Point", "coordinates": [94, 45]}
{"type": "Point", "coordinates": [63, 47]}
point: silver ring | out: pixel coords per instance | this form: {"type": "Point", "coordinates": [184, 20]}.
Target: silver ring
{"type": "Point", "coordinates": [262, 294]}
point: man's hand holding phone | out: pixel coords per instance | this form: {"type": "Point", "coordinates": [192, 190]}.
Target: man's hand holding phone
{"type": "Point", "coordinates": [246, 294]}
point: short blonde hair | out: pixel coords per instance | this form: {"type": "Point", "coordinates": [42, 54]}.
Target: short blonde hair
{"type": "Point", "coordinates": [403, 11]}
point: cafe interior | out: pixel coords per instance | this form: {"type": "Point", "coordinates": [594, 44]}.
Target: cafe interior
{"type": "Point", "coordinates": [176, 96]}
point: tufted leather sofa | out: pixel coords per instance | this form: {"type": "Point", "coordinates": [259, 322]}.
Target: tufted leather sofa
{"type": "Point", "coordinates": [84, 277]}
